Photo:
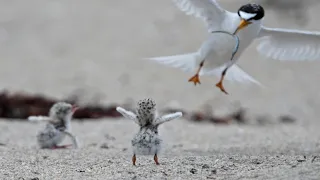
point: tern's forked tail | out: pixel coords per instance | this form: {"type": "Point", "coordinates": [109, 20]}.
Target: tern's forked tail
{"type": "Point", "coordinates": [186, 62]}
{"type": "Point", "coordinates": [190, 62]}
{"type": "Point", "coordinates": [234, 73]}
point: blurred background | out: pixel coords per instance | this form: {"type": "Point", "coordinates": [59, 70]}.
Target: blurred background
{"type": "Point", "coordinates": [96, 48]}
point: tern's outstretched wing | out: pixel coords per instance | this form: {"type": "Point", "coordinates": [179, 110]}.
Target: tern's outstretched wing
{"type": "Point", "coordinates": [287, 44]}
{"type": "Point", "coordinates": [39, 118]}
{"type": "Point", "coordinates": [128, 114]}
{"type": "Point", "coordinates": [208, 10]}
{"type": "Point", "coordinates": [167, 117]}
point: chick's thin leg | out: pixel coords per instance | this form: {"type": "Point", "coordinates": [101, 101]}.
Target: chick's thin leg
{"type": "Point", "coordinates": [220, 83]}
{"type": "Point", "coordinates": [155, 158]}
{"type": "Point", "coordinates": [195, 79]}
{"type": "Point", "coordinates": [134, 159]}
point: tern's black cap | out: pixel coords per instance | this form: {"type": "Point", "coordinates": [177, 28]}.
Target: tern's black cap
{"type": "Point", "coordinates": [253, 8]}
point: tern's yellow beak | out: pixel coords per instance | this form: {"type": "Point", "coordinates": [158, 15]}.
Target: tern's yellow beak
{"type": "Point", "coordinates": [243, 24]}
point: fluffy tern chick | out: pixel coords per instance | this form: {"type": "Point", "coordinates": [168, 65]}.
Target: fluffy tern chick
{"type": "Point", "coordinates": [147, 141]}
{"type": "Point", "coordinates": [57, 127]}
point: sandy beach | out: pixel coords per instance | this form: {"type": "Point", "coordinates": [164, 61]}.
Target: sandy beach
{"type": "Point", "coordinates": [191, 151]}
{"type": "Point", "coordinates": [97, 48]}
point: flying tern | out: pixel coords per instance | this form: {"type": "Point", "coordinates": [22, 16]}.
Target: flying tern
{"type": "Point", "coordinates": [246, 23]}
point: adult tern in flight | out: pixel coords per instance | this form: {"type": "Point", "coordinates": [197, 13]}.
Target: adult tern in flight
{"type": "Point", "coordinates": [276, 43]}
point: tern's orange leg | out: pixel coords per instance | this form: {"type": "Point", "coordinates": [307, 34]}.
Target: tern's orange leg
{"type": "Point", "coordinates": [195, 79]}
{"type": "Point", "coordinates": [220, 83]}
{"type": "Point", "coordinates": [134, 159]}
{"type": "Point", "coordinates": [156, 159]}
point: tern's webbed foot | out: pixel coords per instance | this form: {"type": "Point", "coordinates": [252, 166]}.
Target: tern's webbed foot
{"type": "Point", "coordinates": [195, 79]}
{"type": "Point", "coordinates": [221, 87]}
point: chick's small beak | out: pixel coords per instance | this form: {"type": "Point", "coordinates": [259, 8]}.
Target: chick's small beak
{"type": "Point", "coordinates": [74, 108]}
{"type": "Point", "coordinates": [243, 24]}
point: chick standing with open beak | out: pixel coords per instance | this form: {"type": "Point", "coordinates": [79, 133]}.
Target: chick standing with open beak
{"type": "Point", "coordinates": [58, 126]}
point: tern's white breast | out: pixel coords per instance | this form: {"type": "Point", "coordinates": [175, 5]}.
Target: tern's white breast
{"type": "Point", "coordinates": [246, 36]}
{"type": "Point", "coordinates": [217, 49]}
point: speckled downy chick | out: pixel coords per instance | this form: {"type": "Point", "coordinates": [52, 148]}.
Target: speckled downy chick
{"type": "Point", "coordinates": [147, 141]}
{"type": "Point", "coordinates": [57, 127]}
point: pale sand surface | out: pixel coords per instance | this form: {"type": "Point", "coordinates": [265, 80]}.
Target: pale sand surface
{"type": "Point", "coordinates": [234, 152]}
{"type": "Point", "coordinates": [57, 47]}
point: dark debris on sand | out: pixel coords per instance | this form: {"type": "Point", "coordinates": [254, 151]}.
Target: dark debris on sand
{"type": "Point", "coordinates": [20, 106]}
{"type": "Point", "coordinates": [23, 105]}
